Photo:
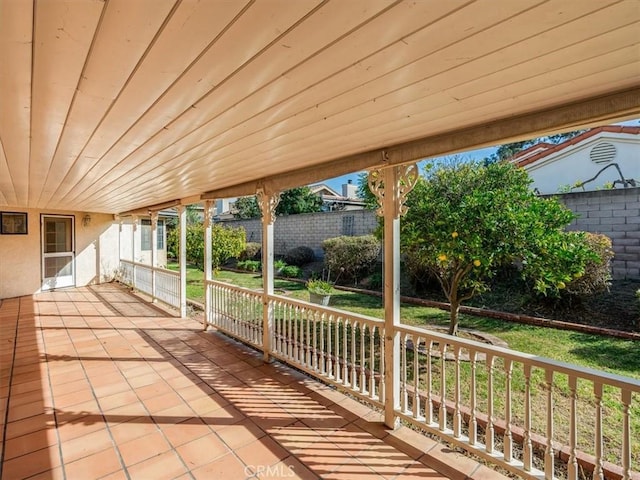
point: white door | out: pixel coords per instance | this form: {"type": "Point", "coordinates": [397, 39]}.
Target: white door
{"type": "Point", "coordinates": [58, 266]}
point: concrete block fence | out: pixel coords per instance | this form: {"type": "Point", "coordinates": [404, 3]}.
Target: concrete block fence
{"type": "Point", "coordinates": [310, 229]}
{"type": "Point", "coordinates": [615, 213]}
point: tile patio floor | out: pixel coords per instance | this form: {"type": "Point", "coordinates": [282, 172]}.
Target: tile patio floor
{"type": "Point", "coordinates": [96, 383]}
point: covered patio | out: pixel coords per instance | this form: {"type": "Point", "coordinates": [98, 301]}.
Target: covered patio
{"type": "Point", "coordinates": [115, 110]}
{"type": "Point", "coordinates": [102, 384]}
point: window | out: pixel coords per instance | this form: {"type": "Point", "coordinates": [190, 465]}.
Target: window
{"type": "Point", "coordinates": [160, 239]}
{"type": "Point", "coordinates": [145, 234]}
{"type": "Point", "coordinates": [145, 230]}
{"type": "Point", "coordinates": [347, 225]}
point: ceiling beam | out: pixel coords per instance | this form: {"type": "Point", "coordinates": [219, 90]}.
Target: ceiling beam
{"type": "Point", "coordinates": [591, 112]}
{"type": "Point", "coordinates": [152, 208]}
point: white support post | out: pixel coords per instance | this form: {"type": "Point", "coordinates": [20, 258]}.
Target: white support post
{"type": "Point", "coordinates": [182, 215]}
{"type": "Point", "coordinates": [134, 229]}
{"type": "Point", "coordinates": [391, 185]}
{"type": "Point", "coordinates": [268, 203]}
{"type": "Point", "coordinates": [208, 271]}
{"type": "Point", "coordinates": [154, 253]}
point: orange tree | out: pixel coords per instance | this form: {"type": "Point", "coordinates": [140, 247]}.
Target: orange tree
{"type": "Point", "coordinates": [467, 221]}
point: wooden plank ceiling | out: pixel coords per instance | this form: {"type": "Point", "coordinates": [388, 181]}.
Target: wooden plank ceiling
{"type": "Point", "coordinates": [112, 105]}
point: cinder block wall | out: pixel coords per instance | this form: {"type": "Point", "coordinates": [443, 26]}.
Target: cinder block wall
{"type": "Point", "coordinates": [615, 213]}
{"type": "Point", "coordinates": [310, 229]}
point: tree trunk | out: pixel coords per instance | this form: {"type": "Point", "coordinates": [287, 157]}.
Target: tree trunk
{"type": "Point", "coordinates": [453, 325]}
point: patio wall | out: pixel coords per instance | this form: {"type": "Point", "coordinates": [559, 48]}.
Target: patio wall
{"type": "Point", "coordinates": [97, 252]}
{"type": "Point", "coordinates": [310, 229]}
{"type": "Point", "coordinates": [615, 213]}
{"type": "Point", "coordinates": [141, 256]}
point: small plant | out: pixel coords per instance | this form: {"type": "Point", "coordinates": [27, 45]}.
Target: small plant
{"type": "Point", "coordinates": [250, 265]}
{"type": "Point", "coordinates": [291, 271]}
{"type": "Point", "coordinates": [319, 287]}
{"type": "Point", "coordinates": [251, 251]}
{"type": "Point", "coordinates": [375, 281]}
{"type": "Point", "coordinates": [278, 265]}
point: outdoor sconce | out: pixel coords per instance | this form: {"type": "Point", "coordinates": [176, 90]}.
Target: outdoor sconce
{"type": "Point", "coordinates": [86, 220]}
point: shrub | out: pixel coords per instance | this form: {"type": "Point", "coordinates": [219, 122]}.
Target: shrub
{"type": "Point", "coordinates": [250, 265]}
{"type": "Point", "coordinates": [597, 272]}
{"type": "Point", "coordinates": [299, 256]}
{"type": "Point", "coordinates": [352, 257]}
{"type": "Point", "coordinates": [251, 251]}
{"type": "Point", "coordinates": [226, 243]}
{"type": "Point", "coordinates": [291, 271]}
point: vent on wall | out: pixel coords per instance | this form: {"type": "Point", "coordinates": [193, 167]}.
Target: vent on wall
{"type": "Point", "coordinates": [603, 153]}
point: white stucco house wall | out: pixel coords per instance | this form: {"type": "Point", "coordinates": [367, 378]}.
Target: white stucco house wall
{"type": "Point", "coordinates": [141, 241]}
{"type": "Point", "coordinates": [601, 158]}
{"type": "Point", "coordinates": [81, 247]}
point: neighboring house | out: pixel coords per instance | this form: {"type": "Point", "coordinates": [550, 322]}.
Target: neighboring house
{"type": "Point", "coordinates": [600, 158]}
{"type": "Point", "coordinates": [332, 201]}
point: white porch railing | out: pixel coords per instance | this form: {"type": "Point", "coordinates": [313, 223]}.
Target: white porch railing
{"type": "Point", "coordinates": [340, 347]}
{"type": "Point", "coordinates": [161, 284]}
{"type": "Point", "coordinates": [503, 405]}
{"type": "Point", "coordinates": [238, 312]}
{"type": "Point", "coordinates": [499, 404]}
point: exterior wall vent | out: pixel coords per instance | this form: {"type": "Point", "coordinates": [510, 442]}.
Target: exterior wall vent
{"type": "Point", "coordinates": [603, 152]}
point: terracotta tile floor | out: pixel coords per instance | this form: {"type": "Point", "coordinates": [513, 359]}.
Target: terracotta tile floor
{"type": "Point", "coordinates": [96, 383]}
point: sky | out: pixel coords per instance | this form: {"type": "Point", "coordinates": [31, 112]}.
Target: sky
{"type": "Point", "coordinates": [337, 182]}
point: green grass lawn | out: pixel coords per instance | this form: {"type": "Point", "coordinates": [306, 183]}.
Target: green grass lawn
{"type": "Point", "coordinates": [610, 354]}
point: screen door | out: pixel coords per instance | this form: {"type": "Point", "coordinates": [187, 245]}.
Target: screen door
{"type": "Point", "coordinates": [58, 269]}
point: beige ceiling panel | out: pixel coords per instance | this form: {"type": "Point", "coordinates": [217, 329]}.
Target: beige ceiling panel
{"type": "Point", "coordinates": [7, 191]}
{"type": "Point", "coordinates": [401, 103]}
{"type": "Point", "coordinates": [547, 63]}
{"type": "Point", "coordinates": [153, 101]}
{"type": "Point", "coordinates": [406, 129]}
{"type": "Point", "coordinates": [187, 33]}
{"type": "Point", "coordinates": [63, 34]}
{"type": "Point", "coordinates": [303, 42]}
{"type": "Point", "coordinates": [586, 87]}
{"type": "Point", "coordinates": [244, 39]}
{"type": "Point", "coordinates": [589, 48]}
{"type": "Point", "coordinates": [125, 32]}
{"type": "Point", "coordinates": [477, 48]}
{"type": "Point", "coordinates": [428, 121]}
{"type": "Point", "coordinates": [363, 41]}
{"type": "Point", "coordinates": [441, 35]}
{"type": "Point", "coordinates": [415, 113]}
{"type": "Point", "coordinates": [384, 132]}
{"type": "Point", "coordinates": [15, 100]}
